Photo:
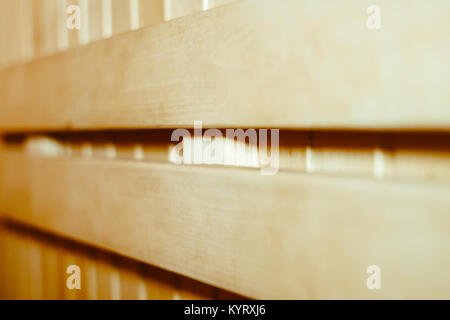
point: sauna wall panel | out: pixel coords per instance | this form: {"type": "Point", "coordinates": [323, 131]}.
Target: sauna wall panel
{"type": "Point", "coordinates": [33, 265]}
{"type": "Point", "coordinates": [16, 32]}
{"type": "Point", "coordinates": [254, 63]}
{"type": "Point", "coordinates": [357, 225]}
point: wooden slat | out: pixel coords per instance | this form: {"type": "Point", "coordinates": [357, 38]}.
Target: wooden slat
{"type": "Point", "coordinates": [16, 32]}
{"type": "Point", "coordinates": [47, 15]}
{"type": "Point", "coordinates": [151, 12]}
{"type": "Point", "coordinates": [176, 9]}
{"type": "Point", "coordinates": [53, 284]}
{"type": "Point", "coordinates": [62, 31]}
{"type": "Point", "coordinates": [120, 16]}
{"type": "Point", "coordinates": [33, 265]}
{"type": "Point", "coordinates": [235, 229]}
{"type": "Point", "coordinates": [133, 285]}
{"type": "Point", "coordinates": [95, 19]}
{"type": "Point", "coordinates": [160, 284]}
{"type": "Point", "coordinates": [108, 277]}
{"type": "Point", "coordinates": [251, 63]}
{"type": "Point", "coordinates": [188, 289]}
{"type": "Point", "coordinates": [218, 3]}
{"type": "Point", "coordinates": [21, 271]}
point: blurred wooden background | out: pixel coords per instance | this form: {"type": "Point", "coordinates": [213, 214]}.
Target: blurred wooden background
{"type": "Point", "coordinates": [86, 117]}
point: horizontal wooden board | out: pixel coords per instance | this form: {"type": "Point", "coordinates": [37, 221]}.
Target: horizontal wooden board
{"type": "Point", "coordinates": [282, 236]}
{"type": "Point", "coordinates": [251, 63]}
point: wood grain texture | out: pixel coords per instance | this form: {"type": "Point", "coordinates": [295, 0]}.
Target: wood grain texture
{"type": "Point", "coordinates": [33, 265]}
{"type": "Point", "coordinates": [250, 63]}
{"type": "Point", "coordinates": [235, 229]}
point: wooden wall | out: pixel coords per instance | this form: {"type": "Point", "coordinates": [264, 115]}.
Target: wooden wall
{"type": "Point", "coordinates": [86, 118]}
{"type": "Point", "coordinates": [33, 263]}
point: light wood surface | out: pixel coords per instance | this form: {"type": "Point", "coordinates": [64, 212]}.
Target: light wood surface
{"type": "Point", "coordinates": [250, 63]}
{"type": "Point", "coordinates": [364, 149]}
{"type": "Point", "coordinates": [33, 265]}
{"type": "Point", "coordinates": [235, 229]}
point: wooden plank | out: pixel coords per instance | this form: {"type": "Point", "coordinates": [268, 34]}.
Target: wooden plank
{"type": "Point", "coordinates": [234, 228]}
{"type": "Point", "coordinates": [253, 63]}
{"type": "Point", "coordinates": [132, 283]}
{"type": "Point", "coordinates": [217, 3]}
{"type": "Point", "coordinates": [85, 21]}
{"type": "Point", "coordinates": [95, 19]}
{"type": "Point", "coordinates": [189, 289]}
{"type": "Point", "coordinates": [5, 262]}
{"type": "Point", "coordinates": [61, 19]}
{"type": "Point", "coordinates": [47, 16]}
{"type": "Point", "coordinates": [22, 266]}
{"type": "Point", "coordinates": [53, 284]}
{"type": "Point", "coordinates": [120, 16]}
{"type": "Point", "coordinates": [161, 285]}
{"type": "Point", "coordinates": [16, 32]}
{"type": "Point", "coordinates": [108, 277]}
{"type": "Point", "coordinates": [175, 8]}
{"type": "Point", "coordinates": [26, 30]}
{"type": "Point", "coordinates": [4, 51]}
{"type": "Point", "coordinates": [27, 273]}
{"type": "Point", "coordinates": [151, 12]}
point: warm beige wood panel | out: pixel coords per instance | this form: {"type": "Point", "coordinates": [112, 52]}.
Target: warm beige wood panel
{"type": "Point", "coordinates": [188, 289]}
{"type": "Point", "coordinates": [108, 277]}
{"type": "Point", "coordinates": [236, 229]}
{"type": "Point", "coordinates": [16, 32]}
{"type": "Point", "coordinates": [120, 16]}
{"type": "Point", "coordinates": [95, 19]}
{"type": "Point", "coordinates": [21, 272]}
{"type": "Point", "coordinates": [151, 12]}
{"type": "Point", "coordinates": [253, 63]}
{"type": "Point", "coordinates": [47, 15]}
{"type": "Point", "coordinates": [161, 285]}
{"type": "Point", "coordinates": [218, 3]}
{"type": "Point", "coordinates": [132, 283]}
{"type": "Point", "coordinates": [33, 265]}
{"type": "Point", "coordinates": [176, 8]}
{"type": "Point", "coordinates": [53, 288]}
